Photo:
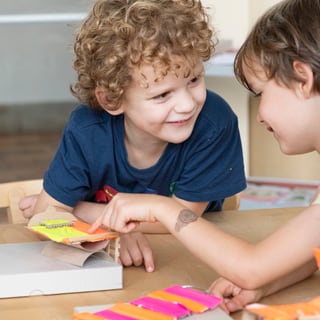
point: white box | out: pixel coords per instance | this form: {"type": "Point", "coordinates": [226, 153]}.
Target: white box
{"type": "Point", "coordinates": [24, 271]}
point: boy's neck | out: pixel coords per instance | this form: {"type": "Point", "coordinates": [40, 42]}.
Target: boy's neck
{"type": "Point", "coordinates": [143, 154]}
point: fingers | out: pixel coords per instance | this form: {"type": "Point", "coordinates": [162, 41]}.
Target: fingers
{"type": "Point", "coordinates": [26, 205]}
{"type": "Point", "coordinates": [233, 305]}
{"type": "Point", "coordinates": [135, 250]}
{"type": "Point", "coordinates": [224, 288]}
{"type": "Point", "coordinates": [229, 292]}
{"type": "Point", "coordinates": [147, 256]}
{"type": "Point", "coordinates": [115, 216]}
{"type": "Point", "coordinates": [235, 298]}
{"type": "Point", "coordinates": [96, 224]}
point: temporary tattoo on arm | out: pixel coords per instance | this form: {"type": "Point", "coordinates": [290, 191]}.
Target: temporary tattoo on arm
{"type": "Point", "coordinates": [184, 218]}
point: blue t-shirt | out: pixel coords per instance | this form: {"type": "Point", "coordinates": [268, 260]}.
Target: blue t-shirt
{"type": "Point", "coordinates": [208, 166]}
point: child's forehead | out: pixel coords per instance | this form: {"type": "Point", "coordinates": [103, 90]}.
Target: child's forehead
{"type": "Point", "coordinates": [178, 66]}
{"type": "Point", "coordinates": [255, 69]}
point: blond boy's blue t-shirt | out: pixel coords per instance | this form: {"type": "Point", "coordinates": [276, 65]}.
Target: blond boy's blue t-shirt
{"type": "Point", "coordinates": [208, 166]}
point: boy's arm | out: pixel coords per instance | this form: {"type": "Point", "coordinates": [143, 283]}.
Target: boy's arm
{"type": "Point", "coordinates": [291, 278]}
{"type": "Point", "coordinates": [88, 211]}
{"type": "Point", "coordinates": [236, 298]}
{"type": "Point", "coordinates": [250, 266]}
{"type": "Point", "coordinates": [44, 200]}
{"type": "Point", "coordinates": [82, 209]}
{"type": "Point", "coordinates": [157, 227]}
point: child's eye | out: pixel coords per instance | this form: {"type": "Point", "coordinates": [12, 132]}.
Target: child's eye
{"type": "Point", "coordinates": [161, 96]}
{"type": "Point", "coordinates": [195, 79]}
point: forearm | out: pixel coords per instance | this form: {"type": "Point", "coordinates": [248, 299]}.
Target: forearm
{"type": "Point", "coordinates": [293, 277]}
{"type": "Point", "coordinates": [44, 201]}
{"type": "Point", "coordinates": [88, 211]}
{"type": "Point", "coordinates": [249, 266]}
{"type": "Point", "coordinates": [155, 227]}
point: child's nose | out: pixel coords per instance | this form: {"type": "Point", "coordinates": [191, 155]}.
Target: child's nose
{"type": "Point", "coordinates": [259, 118]}
{"type": "Point", "coordinates": [185, 102]}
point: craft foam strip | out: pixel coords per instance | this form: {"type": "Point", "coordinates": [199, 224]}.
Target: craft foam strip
{"type": "Point", "coordinates": [189, 304]}
{"type": "Point", "coordinates": [55, 223]}
{"type": "Point", "coordinates": [76, 233]}
{"type": "Point", "coordinates": [108, 314]}
{"type": "Point", "coordinates": [316, 253]}
{"type": "Point", "coordinates": [137, 312]}
{"type": "Point", "coordinates": [164, 307]}
{"type": "Point", "coordinates": [58, 234]}
{"type": "Point", "coordinates": [195, 295]}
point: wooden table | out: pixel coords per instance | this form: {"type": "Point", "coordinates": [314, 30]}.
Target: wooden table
{"type": "Point", "coordinates": [174, 265]}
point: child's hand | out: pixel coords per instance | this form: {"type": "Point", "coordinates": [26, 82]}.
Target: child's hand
{"type": "Point", "coordinates": [234, 297]}
{"type": "Point", "coordinates": [126, 211]}
{"type": "Point", "coordinates": [135, 250]}
{"type": "Point", "coordinates": [27, 204]}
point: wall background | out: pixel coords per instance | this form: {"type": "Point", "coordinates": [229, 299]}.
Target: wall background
{"type": "Point", "coordinates": [233, 18]}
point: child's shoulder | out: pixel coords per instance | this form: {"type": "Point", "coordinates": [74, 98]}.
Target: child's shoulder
{"type": "Point", "coordinates": [83, 117]}
{"type": "Point", "coordinates": [216, 109]}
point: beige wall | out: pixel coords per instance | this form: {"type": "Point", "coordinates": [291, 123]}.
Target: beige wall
{"type": "Point", "coordinates": [232, 19]}
{"type": "Point", "coordinates": [226, 19]}
{"type": "Point", "coordinates": [258, 7]}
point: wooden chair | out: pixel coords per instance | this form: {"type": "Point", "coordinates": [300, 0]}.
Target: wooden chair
{"type": "Point", "coordinates": [12, 192]}
{"type": "Point", "coordinates": [231, 203]}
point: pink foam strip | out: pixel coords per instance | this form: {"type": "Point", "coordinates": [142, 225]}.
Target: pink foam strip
{"type": "Point", "coordinates": [195, 295]}
{"type": "Point", "coordinates": [161, 306]}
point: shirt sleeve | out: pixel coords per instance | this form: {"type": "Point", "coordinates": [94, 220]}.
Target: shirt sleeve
{"type": "Point", "coordinates": [67, 179]}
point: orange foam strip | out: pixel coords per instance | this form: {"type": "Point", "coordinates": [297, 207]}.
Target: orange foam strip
{"type": "Point", "coordinates": [84, 227]}
{"type": "Point", "coordinates": [288, 311]}
{"type": "Point", "coordinates": [137, 312]}
{"type": "Point", "coordinates": [316, 253]}
{"type": "Point", "coordinates": [190, 304]}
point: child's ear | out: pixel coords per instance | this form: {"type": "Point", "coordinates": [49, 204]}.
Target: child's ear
{"type": "Point", "coordinates": [101, 98]}
{"type": "Point", "coordinates": [304, 72]}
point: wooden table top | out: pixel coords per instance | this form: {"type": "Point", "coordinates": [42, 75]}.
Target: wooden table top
{"type": "Point", "coordinates": [174, 265]}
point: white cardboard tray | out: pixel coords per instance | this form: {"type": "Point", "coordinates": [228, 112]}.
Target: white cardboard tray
{"type": "Point", "coordinates": [24, 271]}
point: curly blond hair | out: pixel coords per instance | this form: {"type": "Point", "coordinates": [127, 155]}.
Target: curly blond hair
{"type": "Point", "coordinates": [119, 35]}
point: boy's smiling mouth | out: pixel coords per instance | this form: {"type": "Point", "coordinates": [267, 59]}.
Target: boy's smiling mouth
{"type": "Point", "coordinates": [180, 122]}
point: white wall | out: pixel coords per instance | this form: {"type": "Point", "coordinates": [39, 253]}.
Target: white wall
{"type": "Point", "coordinates": [257, 8]}
{"type": "Point", "coordinates": [232, 19]}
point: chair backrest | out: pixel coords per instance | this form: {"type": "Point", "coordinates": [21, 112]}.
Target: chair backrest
{"type": "Point", "coordinates": [231, 203]}
{"type": "Point", "coordinates": [12, 192]}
